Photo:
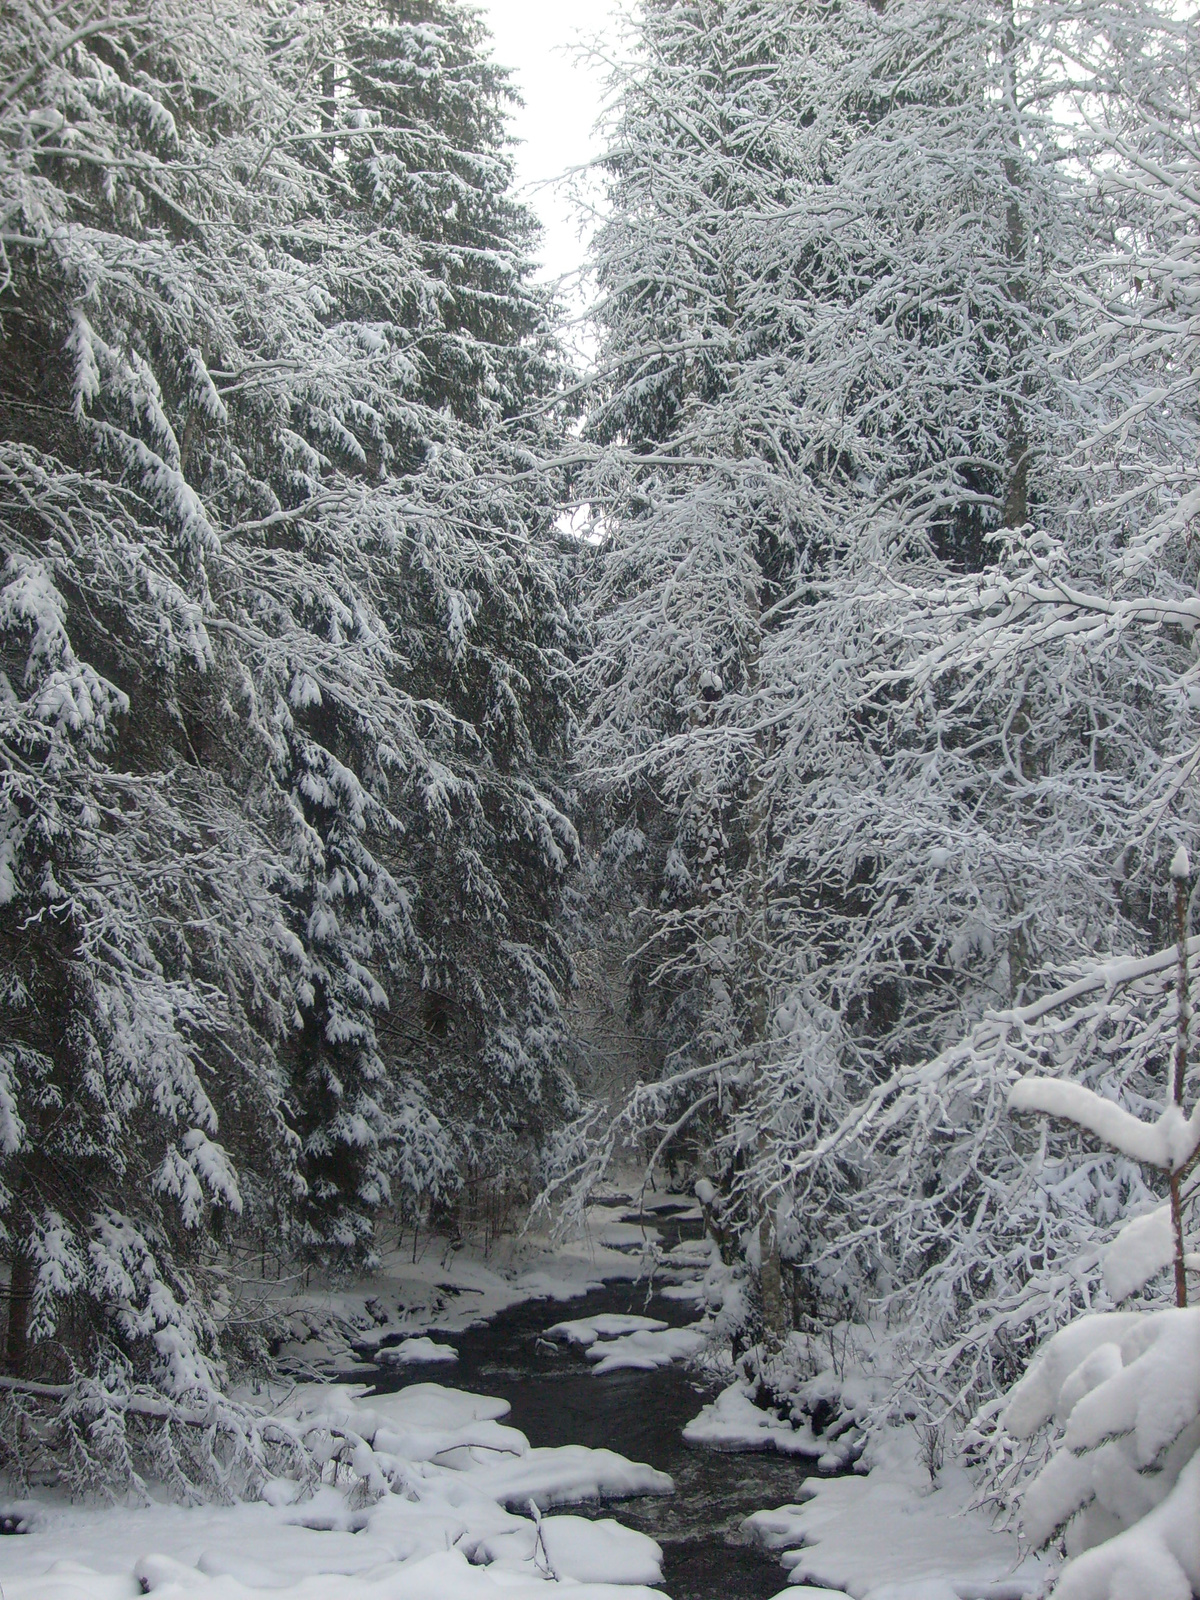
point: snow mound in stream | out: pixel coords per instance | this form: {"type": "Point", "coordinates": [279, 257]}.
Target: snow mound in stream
{"type": "Point", "coordinates": [449, 1528]}
{"type": "Point", "coordinates": [608, 1325]}
{"type": "Point", "coordinates": [411, 1352]}
{"type": "Point", "coordinates": [615, 1341]}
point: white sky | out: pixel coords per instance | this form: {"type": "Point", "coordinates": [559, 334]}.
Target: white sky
{"type": "Point", "coordinates": [538, 40]}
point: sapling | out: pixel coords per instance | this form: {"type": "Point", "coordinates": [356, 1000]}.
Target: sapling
{"type": "Point", "coordinates": [1170, 1143]}
{"type": "Point", "coordinates": [1181, 871]}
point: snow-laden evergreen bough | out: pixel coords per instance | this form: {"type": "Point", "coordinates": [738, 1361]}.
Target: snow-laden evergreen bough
{"type": "Point", "coordinates": [1121, 1391]}
{"type": "Point", "coordinates": [282, 677]}
{"type": "Point", "coordinates": [886, 689]}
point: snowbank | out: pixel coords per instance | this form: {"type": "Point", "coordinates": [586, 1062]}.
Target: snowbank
{"type": "Point", "coordinates": [444, 1575]}
{"type": "Point", "coordinates": [444, 1532]}
{"type": "Point", "coordinates": [873, 1537]}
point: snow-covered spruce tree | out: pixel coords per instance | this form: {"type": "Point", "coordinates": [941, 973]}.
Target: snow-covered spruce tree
{"type": "Point", "coordinates": [472, 848]}
{"type": "Point", "coordinates": [830, 309]}
{"type": "Point", "coordinates": [282, 658]}
{"type": "Point", "coordinates": [146, 969]}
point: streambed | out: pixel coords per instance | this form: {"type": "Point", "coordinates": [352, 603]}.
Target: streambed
{"type": "Point", "coordinates": [556, 1399]}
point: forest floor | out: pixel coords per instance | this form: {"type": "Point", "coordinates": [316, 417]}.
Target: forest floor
{"type": "Point", "coordinates": [501, 1337]}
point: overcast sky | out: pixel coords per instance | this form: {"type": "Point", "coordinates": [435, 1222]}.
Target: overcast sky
{"type": "Point", "coordinates": [563, 97]}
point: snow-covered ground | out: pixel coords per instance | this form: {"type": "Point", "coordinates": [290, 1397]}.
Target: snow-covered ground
{"type": "Point", "coordinates": [455, 1533]}
{"type": "Point", "coordinates": [464, 1518]}
{"type": "Point", "coordinates": [444, 1532]}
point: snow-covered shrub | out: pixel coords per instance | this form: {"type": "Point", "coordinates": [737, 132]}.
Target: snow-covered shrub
{"type": "Point", "coordinates": [1160, 1238]}
{"type": "Point", "coordinates": [1122, 1486]}
{"type": "Point", "coordinates": [107, 1437]}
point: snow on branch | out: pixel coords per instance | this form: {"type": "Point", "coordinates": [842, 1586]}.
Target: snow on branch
{"type": "Point", "coordinates": [1167, 1143]}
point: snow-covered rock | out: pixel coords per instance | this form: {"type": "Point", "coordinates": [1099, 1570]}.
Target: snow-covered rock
{"type": "Point", "coordinates": [411, 1352]}
{"type": "Point", "coordinates": [733, 1422]}
{"type": "Point", "coordinates": [578, 1548]}
{"type": "Point", "coordinates": [608, 1325]}
{"type": "Point", "coordinates": [647, 1349]}
{"type": "Point", "coordinates": [614, 1341]}
{"type": "Point", "coordinates": [566, 1475]}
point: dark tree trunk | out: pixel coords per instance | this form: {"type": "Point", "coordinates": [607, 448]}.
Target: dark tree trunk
{"type": "Point", "coordinates": [20, 1292]}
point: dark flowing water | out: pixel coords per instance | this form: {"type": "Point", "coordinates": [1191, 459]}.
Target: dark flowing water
{"type": "Point", "coordinates": [556, 1400]}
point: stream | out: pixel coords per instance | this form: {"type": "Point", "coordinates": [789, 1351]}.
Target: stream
{"type": "Point", "coordinates": [557, 1400]}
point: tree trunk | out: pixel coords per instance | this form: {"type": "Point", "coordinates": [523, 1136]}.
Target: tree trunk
{"type": "Point", "coordinates": [1016, 499]}
{"type": "Point", "coordinates": [1181, 873]}
{"type": "Point", "coordinates": [20, 1292]}
{"type": "Point", "coordinates": [776, 1321]}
